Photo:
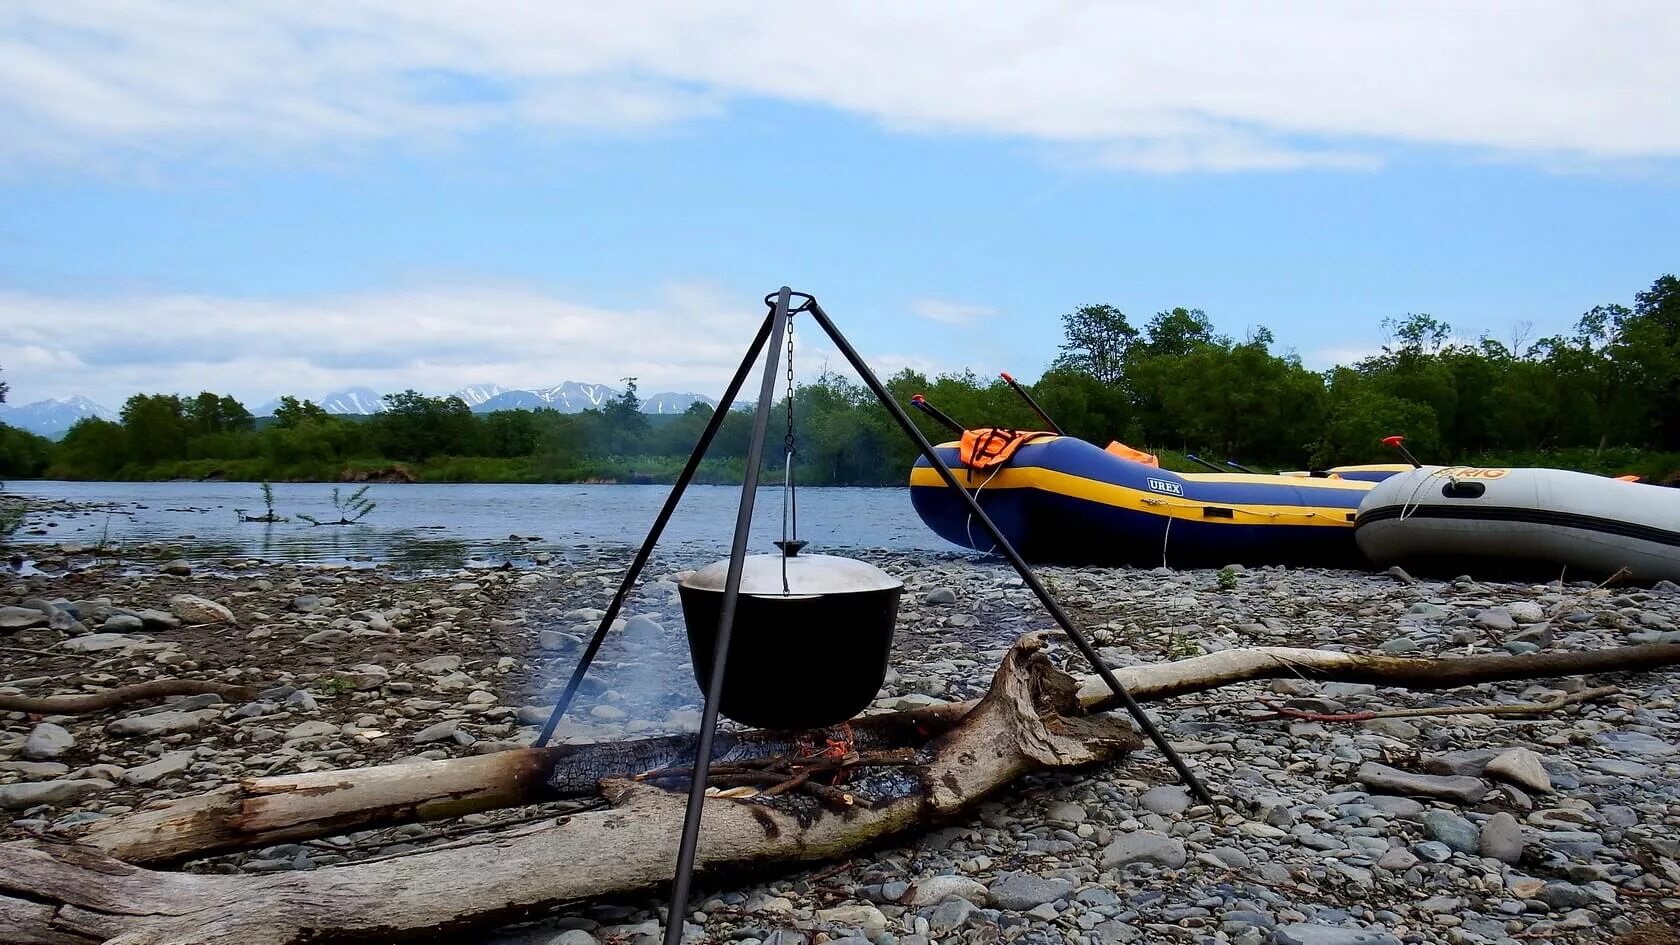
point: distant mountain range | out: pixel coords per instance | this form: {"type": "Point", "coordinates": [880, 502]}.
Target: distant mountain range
{"type": "Point", "coordinates": [51, 418]}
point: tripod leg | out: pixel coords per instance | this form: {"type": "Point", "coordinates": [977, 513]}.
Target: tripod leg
{"type": "Point", "coordinates": [1003, 545]}
{"type": "Point", "coordinates": [641, 559]}
{"type": "Point", "coordinates": [726, 624]}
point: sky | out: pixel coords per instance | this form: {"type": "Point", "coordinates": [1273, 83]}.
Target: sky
{"type": "Point", "coordinates": [272, 197]}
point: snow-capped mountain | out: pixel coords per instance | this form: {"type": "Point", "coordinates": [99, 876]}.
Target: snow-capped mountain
{"type": "Point", "coordinates": [475, 394]}
{"type": "Point", "coordinates": [671, 402]}
{"type": "Point", "coordinates": [51, 418]}
{"type": "Point", "coordinates": [356, 400]}
{"type": "Point", "coordinates": [567, 397]}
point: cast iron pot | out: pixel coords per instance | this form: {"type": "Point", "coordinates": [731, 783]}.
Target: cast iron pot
{"type": "Point", "coordinates": [812, 656]}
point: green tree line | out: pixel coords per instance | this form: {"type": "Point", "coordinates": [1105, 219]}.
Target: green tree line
{"type": "Point", "coordinates": [1605, 397]}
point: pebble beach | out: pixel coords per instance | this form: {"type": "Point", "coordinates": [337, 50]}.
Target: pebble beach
{"type": "Point", "coordinates": [1467, 828]}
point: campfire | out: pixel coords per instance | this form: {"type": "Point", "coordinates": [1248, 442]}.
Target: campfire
{"type": "Point", "coordinates": [807, 769]}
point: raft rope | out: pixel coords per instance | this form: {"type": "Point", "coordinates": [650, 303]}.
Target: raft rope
{"type": "Point", "coordinates": [1413, 502]}
{"type": "Point", "coordinates": [968, 524]}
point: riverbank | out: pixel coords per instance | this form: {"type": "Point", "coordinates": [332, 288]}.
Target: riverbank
{"type": "Point", "coordinates": [663, 470]}
{"type": "Point", "coordinates": [359, 667]}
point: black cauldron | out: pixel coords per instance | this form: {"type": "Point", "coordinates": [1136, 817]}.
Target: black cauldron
{"type": "Point", "coordinates": [809, 655]}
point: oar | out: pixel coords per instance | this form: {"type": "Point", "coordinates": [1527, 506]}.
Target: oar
{"type": "Point", "coordinates": [1197, 459]}
{"type": "Point", "coordinates": [1032, 403]}
{"type": "Point", "coordinates": [1399, 443]}
{"type": "Point", "coordinates": [939, 416]}
{"type": "Point", "coordinates": [1236, 465]}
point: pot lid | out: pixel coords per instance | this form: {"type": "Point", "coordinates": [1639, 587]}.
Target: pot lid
{"type": "Point", "coordinates": [807, 575]}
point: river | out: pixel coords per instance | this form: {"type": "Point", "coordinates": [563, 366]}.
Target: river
{"type": "Point", "coordinates": [455, 525]}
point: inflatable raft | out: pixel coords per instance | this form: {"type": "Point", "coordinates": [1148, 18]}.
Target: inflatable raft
{"type": "Point", "coordinates": [1062, 500]}
{"type": "Point", "coordinates": [1538, 521]}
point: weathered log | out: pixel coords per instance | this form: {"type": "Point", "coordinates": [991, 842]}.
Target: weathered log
{"type": "Point", "coordinates": [122, 695]}
{"type": "Point", "coordinates": [68, 894]}
{"type": "Point", "coordinates": [1155, 681]}
{"type": "Point", "coordinates": [264, 811]}
{"type": "Point", "coordinates": [286, 808]}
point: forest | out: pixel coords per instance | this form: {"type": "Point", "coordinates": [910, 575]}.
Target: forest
{"type": "Point", "coordinates": [1604, 397]}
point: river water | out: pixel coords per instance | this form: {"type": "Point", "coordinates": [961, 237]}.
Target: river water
{"type": "Point", "coordinates": [454, 525]}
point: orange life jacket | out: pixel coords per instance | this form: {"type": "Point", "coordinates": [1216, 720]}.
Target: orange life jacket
{"type": "Point", "coordinates": [986, 447]}
{"type": "Point", "coordinates": [1135, 455]}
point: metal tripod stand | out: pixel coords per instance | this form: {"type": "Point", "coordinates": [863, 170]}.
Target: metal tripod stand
{"type": "Point", "coordinates": [776, 324]}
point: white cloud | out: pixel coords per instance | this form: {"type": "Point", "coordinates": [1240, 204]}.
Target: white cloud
{"type": "Point", "coordinates": [951, 313]}
{"type": "Point", "coordinates": [435, 339]}
{"type": "Point", "coordinates": [1162, 87]}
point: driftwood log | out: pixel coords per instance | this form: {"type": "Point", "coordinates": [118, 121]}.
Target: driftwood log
{"type": "Point", "coordinates": [1030, 720]}
{"type": "Point", "coordinates": [260, 812]}
{"type": "Point", "coordinates": [1033, 718]}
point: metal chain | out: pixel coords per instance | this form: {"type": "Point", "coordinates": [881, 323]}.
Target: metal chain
{"type": "Point", "coordinates": [788, 441]}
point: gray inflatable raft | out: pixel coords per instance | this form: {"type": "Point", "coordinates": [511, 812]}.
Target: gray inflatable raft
{"type": "Point", "coordinates": [1526, 520]}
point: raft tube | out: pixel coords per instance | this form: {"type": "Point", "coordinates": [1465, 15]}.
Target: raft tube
{"type": "Point", "coordinates": [1539, 522]}
{"type": "Point", "coordinates": [1062, 500]}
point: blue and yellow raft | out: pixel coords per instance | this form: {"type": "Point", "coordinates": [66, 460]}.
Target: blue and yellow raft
{"type": "Point", "coordinates": [1063, 500]}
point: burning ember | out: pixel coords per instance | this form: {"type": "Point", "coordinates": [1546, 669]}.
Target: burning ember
{"type": "Point", "coordinates": [808, 769]}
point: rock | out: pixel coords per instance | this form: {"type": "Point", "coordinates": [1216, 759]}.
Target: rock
{"type": "Point", "coordinates": [941, 596]}
{"type": "Point", "coordinates": [1144, 846]}
{"type": "Point", "coordinates": [1378, 777]}
{"type": "Point", "coordinates": [608, 713]}
{"type": "Point", "coordinates": [169, 765]}
{"type": "Point", "coordinates": [1521, 767]}
{"type": "Point", "coordinates": [1403, 808]}
{"type": "Point", "coordinates": [49, 793]}
{"type": "Point", "coordinates": [1399, 574]}
{"type": "Point", "coordinates": [36, 770]}
{"type": "Point", "coordinates": [862, 916]}
{"type": "Point", "coordinates": [100, 642]}
{"type": "Point", "coordinates": [311, 729]}
{"type": "Point", "coordinates": [643, 629]}
{"type": "Point", "coordinates": [438, 665]}
{"type": "Point", "coordinates": [1022, 891]}
{"type": "Point", "coordinates": [936, 889]}
{"type": "Point", "coordinates": [441, 731]}
{"type": "Point", "coordinates": [950, 915]}
{"type": "Point", "coordinates": [160, 723]}
{"type": "Point", "coordinates": [157, 620]}
{"type": "Point", "coordinates": [306, 603]}
{"type": "Point", "coordinates": [1302, 933]}
{"type": "Point", "coordinates": [366, 676]}
{"type": "Point", "coordinates": [21, 618]}
{"type": "Point", "coordinates": [1165, 800]}
{"type": "Point", "coordinates": [1397, 859]}
{"type": "Point", "coordinates": [1525, 611]}
{"type": "Point", "coordinates": [1452, 830]}
{"type": "Point", "coordinates": [178, 567]}
{"type": "Point", "coordinates": [1066, 811]}
{"type": "Point", "coordinates": [1636, 743]}
{"type": "Point", "coordinates": [1433, 850]}
{"type": "Point", "coordinates": [328, 636]}
{"type": "Point", "coordinates": [47, 741]}
{"type": "Point", "coordinates": [197, 610]}
{"type": "Point", "coordinates": [574, 937]}
{"type": "Point", "coordinates": [1468, 763]}
{"type": "Point", "coordinates": [1497, 619]}
{"type": "Point", "coordinates": [555, 641]}
{"type": "Point", "coordinates": [1560, 895]}
{"type": "Point", "coordinates": [1502, 838]}
{"type": "Point", "coordinates": [122, 623]}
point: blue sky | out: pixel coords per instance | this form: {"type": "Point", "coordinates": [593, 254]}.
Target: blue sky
{"type": "Point", "coordinates": [266, 200]}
